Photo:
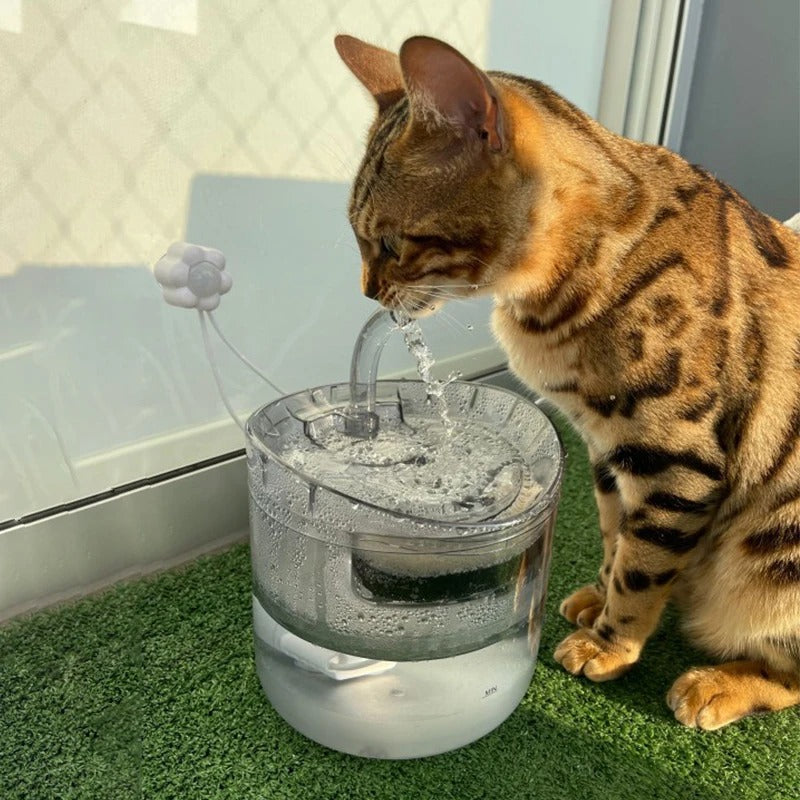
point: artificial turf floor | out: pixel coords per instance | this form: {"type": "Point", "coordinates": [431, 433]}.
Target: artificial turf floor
{"type": "Point", "coordinates": [148, 691]}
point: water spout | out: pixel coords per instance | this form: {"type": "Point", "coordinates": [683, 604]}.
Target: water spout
{"type": "Point", "coordinates": [360, 419]}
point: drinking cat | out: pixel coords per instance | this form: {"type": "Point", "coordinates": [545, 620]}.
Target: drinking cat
{"type": "Point", "coordinates": [655, 307]}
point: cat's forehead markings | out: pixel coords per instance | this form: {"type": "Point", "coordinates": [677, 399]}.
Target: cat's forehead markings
{"type": "Point", "coordinates": [387, 128]}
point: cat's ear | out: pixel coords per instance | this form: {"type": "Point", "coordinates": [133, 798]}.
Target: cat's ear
{"type": "Point", "coordinates": [445, 86]}
{"type": "Point", "coordinates": [377, 69]}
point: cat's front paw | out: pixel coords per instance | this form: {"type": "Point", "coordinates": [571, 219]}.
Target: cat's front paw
{"type": "Point", "coordinates": [711, 697]}
{"type": "Point", "coordinates": [706, 699]}
{"type": "Point", "coordinates": [583, 606]}
{"type": "Point", "coordinates": [585, 652]}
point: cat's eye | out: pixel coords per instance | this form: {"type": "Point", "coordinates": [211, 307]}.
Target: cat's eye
{"type": "Point", "coordinates": [390, 247]}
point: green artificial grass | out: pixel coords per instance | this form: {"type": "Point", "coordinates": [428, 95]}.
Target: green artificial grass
{"type": "Point", "coordinates": [149, 691]}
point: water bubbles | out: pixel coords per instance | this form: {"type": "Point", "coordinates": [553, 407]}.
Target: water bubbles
{"type": "Point", "coordinates": [413, 467]}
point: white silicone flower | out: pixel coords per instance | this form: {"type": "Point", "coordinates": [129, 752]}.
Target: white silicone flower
{"type": "Point", "coordinates": [192, 276]}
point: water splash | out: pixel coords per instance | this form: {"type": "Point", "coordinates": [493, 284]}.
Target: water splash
{"type": "Point", "coordinates": [416, 467]}
{"type": "Point", "coordinates": [361, 420]}
{"type": "Point", "coordinates": [415, 342]}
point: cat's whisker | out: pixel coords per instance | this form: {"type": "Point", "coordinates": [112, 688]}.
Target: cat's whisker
{"type": "Point", "coordinates": [375, 193]}
{"type": "Point", "coordinates": [445, 317]}
{"type": "Point", "coordinates": [455, 323]}
{"type": "Point", "coordinates": [345, 169]}
{"type": "Point", "coordinates": [444, 293]}
{"type": "Point", "coordinates": [345, 239]}
{"type": "Point", "coordinates": [478, 260]}
{"type": "Point", "coordinates": [430, 300]}
{"type": "Point", "coordinates": [437, 294]}
{"type": "Point", "coordinates": [450, 285]}
{"type": "Point", "coordinates": [426, 290]}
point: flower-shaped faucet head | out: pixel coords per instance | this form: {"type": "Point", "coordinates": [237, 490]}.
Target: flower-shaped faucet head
{"type": "Point", "coordinates": [192, 276]}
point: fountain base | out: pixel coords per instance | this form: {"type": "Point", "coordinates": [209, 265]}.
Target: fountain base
{"type": "Point", "coordinates": [409, 709]}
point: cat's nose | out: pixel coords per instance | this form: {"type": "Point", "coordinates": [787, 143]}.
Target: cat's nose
{"type": "Point", "coordinates": [370, 285]}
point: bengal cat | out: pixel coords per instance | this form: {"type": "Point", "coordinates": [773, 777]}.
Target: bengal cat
{"type": "Point", "coordinates": [655, 307]}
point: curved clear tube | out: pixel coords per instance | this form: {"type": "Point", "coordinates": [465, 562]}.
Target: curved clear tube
{"type": "Point", "coordinates": [361, 420]}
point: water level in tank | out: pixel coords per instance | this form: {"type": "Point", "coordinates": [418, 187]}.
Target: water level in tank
{"type": "Point", "coordinates": [411, 708]}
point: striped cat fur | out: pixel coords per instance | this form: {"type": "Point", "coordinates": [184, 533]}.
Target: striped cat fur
{"type": "Point", "coordinates": [651, 304]}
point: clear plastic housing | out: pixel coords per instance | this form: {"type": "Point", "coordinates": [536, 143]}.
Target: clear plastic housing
{"type": "Point", "coordinates": [410, 589]}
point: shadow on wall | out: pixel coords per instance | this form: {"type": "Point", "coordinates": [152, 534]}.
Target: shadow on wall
{"type": "Point", "coordinates": [92, 361]}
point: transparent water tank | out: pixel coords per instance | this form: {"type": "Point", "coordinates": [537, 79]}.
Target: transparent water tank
{"type": "Point", "coordinates": [399, 584]}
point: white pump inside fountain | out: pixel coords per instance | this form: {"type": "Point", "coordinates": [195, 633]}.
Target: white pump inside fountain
{"type": "Point", "coordinates": [400, 543]}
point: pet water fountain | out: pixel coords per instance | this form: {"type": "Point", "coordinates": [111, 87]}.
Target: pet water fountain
{"type": "Point", "coordinates": [400, 545]}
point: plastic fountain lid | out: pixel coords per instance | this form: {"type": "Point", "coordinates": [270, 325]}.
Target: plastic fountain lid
{"type": "Point", "coordinates": [471, 474]}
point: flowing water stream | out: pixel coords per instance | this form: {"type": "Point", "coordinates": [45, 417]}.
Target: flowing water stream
{"type": "Point", "coordinates": [416, 345]}
{"type": "Point", "coordinates": [420, 464]}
